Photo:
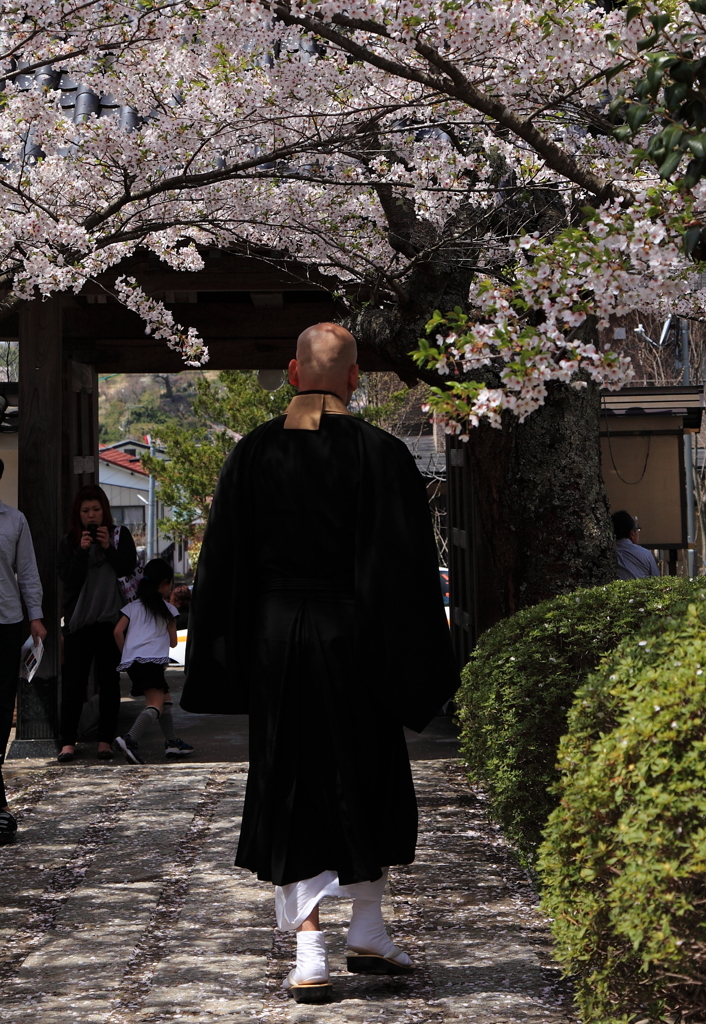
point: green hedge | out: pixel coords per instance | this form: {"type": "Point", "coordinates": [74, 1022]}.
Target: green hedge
{"type": "Point", "coordinates": [623, 865]}
{"type": "Point", "coordinates": [521, 680]}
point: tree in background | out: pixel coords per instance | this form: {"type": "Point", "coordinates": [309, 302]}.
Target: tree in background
{"type": "Point", "coordinates": [225, 409]}
{"type": "Point", "coordinates": [9, 361]}
{"type": "Point", "coordinates": [382, 399]}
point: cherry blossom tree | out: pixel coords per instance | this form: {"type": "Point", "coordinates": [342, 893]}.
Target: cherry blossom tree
{"type": "Point", "coordinates": [423, 155]}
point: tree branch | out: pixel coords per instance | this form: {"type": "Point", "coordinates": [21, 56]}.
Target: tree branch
{"type": "Point", "coordinates": [454, 83]}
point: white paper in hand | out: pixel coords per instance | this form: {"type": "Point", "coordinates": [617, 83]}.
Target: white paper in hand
{"type": "Point", "coordinates": [30, 657]}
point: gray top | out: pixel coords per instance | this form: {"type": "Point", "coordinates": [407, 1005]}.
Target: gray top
{"type": "Point", "coordinates": [634, 562]}
{"type": "Point", "coordinates": [18, 569]}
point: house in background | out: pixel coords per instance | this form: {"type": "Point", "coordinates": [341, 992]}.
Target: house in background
{"type": "Point", "coordinates": [126, 483]}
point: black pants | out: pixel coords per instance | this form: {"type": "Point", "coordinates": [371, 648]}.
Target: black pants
{"type": "Point", "coordinates": [91, 644]}
{"type": "Point", "coordinates": [10, 647]}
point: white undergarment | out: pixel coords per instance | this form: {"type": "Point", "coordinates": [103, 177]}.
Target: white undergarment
{"type": "Point", "coordinates": [294, 902]}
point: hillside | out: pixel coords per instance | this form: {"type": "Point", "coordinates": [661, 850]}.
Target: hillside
{"type": "Point", "coordinates": [132, 405]}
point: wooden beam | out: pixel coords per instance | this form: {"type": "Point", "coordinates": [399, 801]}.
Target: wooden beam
{"type": "Point", "coordinates": [239, 336]}
{"type": "Point", "coordinates": [144, 355]}
{"type": "Point", "coordinates": [222, 271]}
{"type": "Point", "coordinates": [230, 320]}
{"type": "Point", "coordinates": [39, 485]}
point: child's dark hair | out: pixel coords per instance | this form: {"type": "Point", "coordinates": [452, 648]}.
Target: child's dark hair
{"type": "Point", "coordinates": [155, 572]}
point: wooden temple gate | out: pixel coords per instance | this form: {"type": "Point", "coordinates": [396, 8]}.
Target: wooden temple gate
{"type": "Point", "coordinates": [248, 313]}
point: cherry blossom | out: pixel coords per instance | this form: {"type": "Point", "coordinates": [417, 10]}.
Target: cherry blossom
{"type": "Point", "coordinates": [367, 142]}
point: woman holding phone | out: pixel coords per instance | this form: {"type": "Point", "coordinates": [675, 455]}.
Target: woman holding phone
{"type": "Point", "coordinates": [92, 557]}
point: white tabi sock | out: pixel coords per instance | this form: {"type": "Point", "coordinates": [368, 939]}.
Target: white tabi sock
{"type": "Point", "coordinates": [367, 933]}
{"type": "Point", "coordinates": [312, 961]}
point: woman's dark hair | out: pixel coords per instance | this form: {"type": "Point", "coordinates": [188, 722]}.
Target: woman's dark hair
{"type": "Point", "coordinates": [155, 572]}
{"type": "Point", "coordinates": [90, 493]}
{"type": "Point", "coordinates": [180, 597]}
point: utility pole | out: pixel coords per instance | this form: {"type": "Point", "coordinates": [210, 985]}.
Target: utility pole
{"type": "Point", "coordinates": [688, 455]}
{"type": "Point", "coordinates": [151, 513]}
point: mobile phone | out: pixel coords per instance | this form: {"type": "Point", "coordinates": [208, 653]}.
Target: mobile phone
{"type": "Point", "coordinates": [93, 530]}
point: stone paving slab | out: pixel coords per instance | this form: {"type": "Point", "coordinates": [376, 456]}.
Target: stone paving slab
{"type": "Point", "coordinates": [121, 906]}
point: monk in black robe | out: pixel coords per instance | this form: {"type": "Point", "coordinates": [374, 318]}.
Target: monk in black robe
{"type": "Point", "coordinates": [317, 610]}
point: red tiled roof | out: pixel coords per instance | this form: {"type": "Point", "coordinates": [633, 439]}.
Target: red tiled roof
{"type": "Point", "coordinates": [119, 458]}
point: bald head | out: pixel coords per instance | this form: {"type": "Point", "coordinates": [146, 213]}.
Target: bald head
{"type": "Point", "coordinates": [326, 361]}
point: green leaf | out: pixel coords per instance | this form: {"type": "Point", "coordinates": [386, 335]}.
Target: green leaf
{"type": "Point", "coordinates": [694, 174]}
{"type": "Point", "coordinates": [437, 318]}
{"type": "Point", "coordinates": [634, 11]}
{"type": "Point", "coordinates": [683, 71]}
{"type": "Point", "coordinates": [616, 104]}
{"type": "Point", "coordinates": [691, 237]}
{"type": "Point", "coordinates": [697, 145]}
{"type": "Point", "coordinates": [660, 21]}
{"type": "Point", "coordinates": [670, 164]}
{"type": "Point", "coordinates": [674, 94]}
{"type": "Point", "coordinates": [612, 72]}
{"type": "Point", "coordinates": [647, 42]}
{"type": "Point", "coordinates": [671, 136]}
{"type": "Point", "coordinates": [622, 133]}
{"type": "Point", "coordinates": [636, 115]}
{"type": "Point", "coordinates": [654, 78]}
{"type": "Point", "coordinates": [656, 146]}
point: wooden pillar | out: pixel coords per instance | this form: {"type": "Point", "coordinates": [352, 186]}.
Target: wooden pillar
{"type": "Point", "coordinates": [39, 497]}
{"type": "Point", "coordinates": [79, 465]}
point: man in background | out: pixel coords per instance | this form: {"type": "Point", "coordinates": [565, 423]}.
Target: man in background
{"type": "Point", "coordinates": [19, 582]}
{"type": "Point", "coordinates": [634, 562]}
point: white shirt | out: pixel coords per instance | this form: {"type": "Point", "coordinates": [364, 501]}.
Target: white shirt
{"type": "Point", "coordinates": [634, 562]}
{"type": "Point", "coordinates": [18, 569]}
{"type": "Point", "coordinates": [147, 637]}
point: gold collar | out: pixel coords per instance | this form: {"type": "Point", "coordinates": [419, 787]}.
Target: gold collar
{"type": "Point", "coordinates": [304, 412]}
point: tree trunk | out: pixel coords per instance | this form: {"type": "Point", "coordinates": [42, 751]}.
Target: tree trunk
{"type": "Point", "coordinates": [542, 522]}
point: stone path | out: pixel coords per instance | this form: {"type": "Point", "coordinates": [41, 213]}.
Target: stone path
{"type": "Point", "coordinates": [120, 905]}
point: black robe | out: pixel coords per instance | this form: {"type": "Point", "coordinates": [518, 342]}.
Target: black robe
{"type": "Point", "coordinates": [317, 610]}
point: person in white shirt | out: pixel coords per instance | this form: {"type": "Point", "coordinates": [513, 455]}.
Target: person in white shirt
{"type": "Point", "coordinates": [144, 633]}
{"type": "Point", "coordinates": [19, 584]}
{"type": "Point", "coordinates": [634, 562]}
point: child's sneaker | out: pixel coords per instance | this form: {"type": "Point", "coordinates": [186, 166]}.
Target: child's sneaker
{"type": "Point", "coordinates": [129, 748]}
{"type": "Point", "coordinates": [8, 827]}
{"type": "Point", "coordinates": [177, 748]}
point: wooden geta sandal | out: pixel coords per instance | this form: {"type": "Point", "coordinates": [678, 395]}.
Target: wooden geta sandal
{"type": "Point", "coordinates": [318, 992]}
{"type": "Point", "coordinates": [373, 963]}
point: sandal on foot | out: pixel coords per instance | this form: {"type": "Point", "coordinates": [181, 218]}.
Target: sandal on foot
{"type": "Point", "coordinates": [66, 756]}
{"type": "Point", "coordinates": [105, 755]}
{"type": "Point", "coordinates": [8, 827]}
{"type": "Point", "coordinates": [309, 991]}
{"type": "Point", "coordinates": [373, 963]}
